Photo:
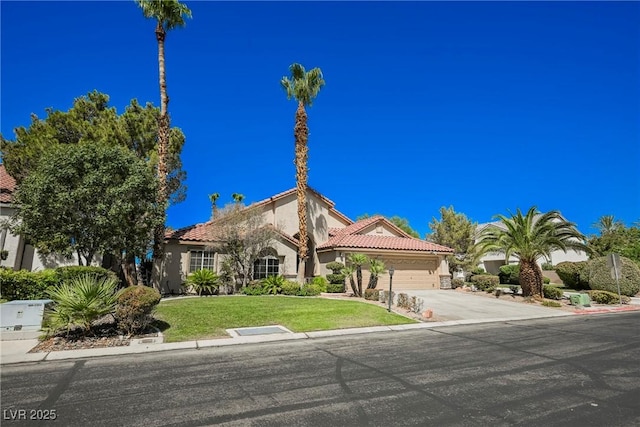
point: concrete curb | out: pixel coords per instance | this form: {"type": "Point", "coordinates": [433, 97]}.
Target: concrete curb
{"type": "Point", "coordinates": [255, 339]}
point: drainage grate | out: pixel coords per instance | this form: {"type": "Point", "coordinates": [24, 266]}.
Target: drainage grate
{"type": "Point", "coordinates": [259, 330]}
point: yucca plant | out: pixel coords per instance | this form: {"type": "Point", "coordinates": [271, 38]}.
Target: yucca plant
{"type": "Point", "coordinates": [348, 272]}
{"type": "Point", "coordinates": [203, 281]}
{"type": "Point", "coordinates": [81, 301]}
{"type": "Point", "coordinates": [376, 268]}
{"type": "Point", "coordinates": [357, 261]}
{"type": "Point", "coordinates": [273, 284]}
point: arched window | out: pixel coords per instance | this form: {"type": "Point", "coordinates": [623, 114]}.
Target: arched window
{"type": "Point", "coordinates": [267, 265]}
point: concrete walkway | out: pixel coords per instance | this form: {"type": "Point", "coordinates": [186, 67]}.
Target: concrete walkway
{"type": "Point", "coordinates": [450, 307]}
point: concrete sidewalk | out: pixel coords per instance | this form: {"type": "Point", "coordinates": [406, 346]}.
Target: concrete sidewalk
{"type": "Point", "coordinates": [445, 305]}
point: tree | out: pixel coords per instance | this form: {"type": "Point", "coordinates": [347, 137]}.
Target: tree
{"type": "Point", "coordinates": [357, 261]}
{"type": "Point", "coordinates": [376, 268]}
{"type": "Point", "coordinates": [237, 197]}
{"type": "Point", "coordinates": [529, 237]}
{"type": "Point", "coordinates": [456, 231]}
{"type": "Point", "coordinates": [242, 235]}
{"type": "Point", "coordinates": [86, 199]}
{"type": "Point", "coordinates": [348, 272]}
{"type": "Point", "coordinates": [168, 14]}
{"type": "Point", "coordinates": [401, 223]}
{"type": "Point", "coordinates": [213, 198]}
{"type": "Point", "coordinates": [608, 224]}
{"type": "Point", "coordinates": [304, 87]}
{"type": "Point", "coordinates": [616, 239]}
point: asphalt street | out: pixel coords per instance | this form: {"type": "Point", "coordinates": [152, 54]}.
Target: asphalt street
{"type": "Point", "coordinates": [569, 371]}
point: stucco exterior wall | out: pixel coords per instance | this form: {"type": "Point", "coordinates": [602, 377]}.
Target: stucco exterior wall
{"type": "Point", "coordinates": [379, 230]}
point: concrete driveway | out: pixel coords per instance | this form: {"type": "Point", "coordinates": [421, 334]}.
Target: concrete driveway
{"type": "Point", "coordinates": [453, 305]}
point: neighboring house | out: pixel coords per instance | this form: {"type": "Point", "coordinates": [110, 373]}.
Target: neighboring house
{"type": "Point", "coordinates": [332, 237]}
{"type": "Point", "coordinates": [20, 254]}
{"type": "Point", "coordinates": [492, 261]}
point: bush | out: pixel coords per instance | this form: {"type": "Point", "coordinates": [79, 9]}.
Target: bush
{"type": "Point", "coordinates": [551, 304]}
{"type": "Point", "coordinates": [546, 280]}
{"type": "Point", "coordinates": [477, 271]}
{"type": "Point", "coordinates": [600, 277]}
{"type": "Point", "coordinates": [26, 285]}
{"type": "Point", "coordinates": [547, 266]}
{"type": "Point", "coordinates": [134, 308]}
{"type": "Point", "coordinates": [384, 296]}
{"type": "Point", "coordinates": [372, 294]}
{"type": "Point", "coordinates": [509, 274]}
{"type": "Point", "coordinates": [203, 281]}
{"type": "Point", "coordinates": [575, 275]}
{"type": "Point", "coordinates": [551, 292]}
{"type": "Point", "coordinates": [416, 304]}
{"type": "Point", "coordinates": [336, 267]}
{"type": "Point", "coordinates": [485, 282]}
{"type": "Point", "coordinates": [605, 297]}
{"type": "Point", "coordinates": [403, 301]}
{"type": "Point", "coordinates": [289, 287]}
{"type": "Point", "coordinates": [336, 279]}
{"type": "Point", "coordinates": [320, 282]}
{"type": "Point", "coordinates": [81, 301]}
{"type": "Point", "coordinates": [272, 285]}
{"type": "Point", "coordinates": [335, 288]}
{"type": "Point", "coordinates": [254, 289]}
{"type": "Point", "coordinates": [72, 271]}
{"type": "Point", "coordinates": [457, 283]}
{"type": "Point", "coordinates": [310, 290]}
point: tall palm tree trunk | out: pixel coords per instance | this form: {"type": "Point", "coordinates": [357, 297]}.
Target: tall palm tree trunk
{"type": "Point", "coordinates": [359, 276]}
{"type": "Point", "coordinates": [301, 134]}
{"type": "Point", "coordinates": [163, 143]}
{"type": "Point", "coordinates": [530, 279]}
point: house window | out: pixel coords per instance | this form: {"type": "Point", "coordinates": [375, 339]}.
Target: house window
{"type": "Point", "coordinates": [265, 267]}
{"type": "Point", "coordinates": [200, 260]}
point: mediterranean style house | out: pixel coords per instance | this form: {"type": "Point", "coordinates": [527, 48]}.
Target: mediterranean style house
{"type": "Point", "coordinates": [332, 237]}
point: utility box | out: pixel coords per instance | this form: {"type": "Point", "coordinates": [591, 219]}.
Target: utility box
{"type": "Point", "coordinates": [22, 315]}
{"type": "Point", "coordinates": [581, 300]}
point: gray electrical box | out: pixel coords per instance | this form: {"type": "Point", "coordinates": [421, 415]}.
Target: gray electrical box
{"type": "Point", "coordinates": [22, 315]}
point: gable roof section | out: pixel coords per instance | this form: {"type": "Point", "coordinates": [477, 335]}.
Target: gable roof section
{"type": "Point", "coordinates": [7, 186]}
{"type": "Point", "coordinates": [205, 232]}
{"type": "Point", "coordinates": [349, 237]}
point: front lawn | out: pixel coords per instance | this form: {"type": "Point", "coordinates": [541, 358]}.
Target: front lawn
{"type": "Point", "coordinates": [201, 318]}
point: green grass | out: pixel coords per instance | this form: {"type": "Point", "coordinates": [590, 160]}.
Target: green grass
{"type": "Point", "coordinates": [201, 318]}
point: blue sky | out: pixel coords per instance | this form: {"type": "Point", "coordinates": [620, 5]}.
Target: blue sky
{"type": "Point", "coordinates": [485, 106]}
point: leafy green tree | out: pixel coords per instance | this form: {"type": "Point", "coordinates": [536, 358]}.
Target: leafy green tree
{"type": "Point", "coordinates": [530, 237]}
{"type": "Point", "coordinates": [304, 86]}
{"type": "Point", "coordinates": [456, 231]}
{"type": "Point", "coordinates": [615, 237]}
{"type": "Point", "coordinates": [86, 199]}
{"type": "Point", "coordinates": [401, 223]}
{"type": "Point", "coordinates": [168, 14]}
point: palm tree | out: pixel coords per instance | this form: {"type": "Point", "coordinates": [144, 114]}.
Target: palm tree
{"type": "Point", "coordinates": [528, 238]}
{"type": "Point", "coordinates": [348, 272]}
{"type": "Point", "coordinates": [376, 268]}
{"type": "Point", "coordinates": [169, 14]}
{"type": "Point", "coordinates": [608, 224]}
{"type": "Point", "coordinates": [357, 261]}
{"type": "Point", "coordinates": [237, 198]}
{"type": "Point", "coordinates": [304, 87]}
{"type": "Point", "coordinates": [213, 198]}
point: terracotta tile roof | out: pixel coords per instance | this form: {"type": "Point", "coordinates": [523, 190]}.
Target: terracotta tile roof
{"type": "Point", "coordinates": [7, 186]}
{"type": "Point", "coordinates": [205, 232]}
{"type": "Point", "coordinates": [364, 241]}
{"type": "Point", "coordinates": [364, 223]}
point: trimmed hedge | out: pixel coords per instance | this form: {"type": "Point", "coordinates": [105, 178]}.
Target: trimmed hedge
{"type": "Point", "coordinates": [335, 267]}
{"type": "Point", "coordinates": [335, 288]}
{"type": "Point", "coordinates": [605, 297]}
{"type": "Point", "coordinates": [600, 277]}
{"type": "Point", "coordinates": [290, 287]}
{"type": "Point", "coordinates": [134, 309]}
{"type": "Point", "coordinates": [310, 290]}
{"type": "Point", "coordinates": [509, 274]}
{"type": "Point", "coordinates": [551, 292]}
{"type": "Point", "coordinates": [73, 271]}
{"type": "Point", "coordinates": [372, 294]}
{"type": "Point", "coordinates": [457, 283]}
{"type": "Point", "coordinates": [485, 282]}
{"type": "Point", "coordinates": [321, 283]}
{"type": "Point", "coordinates": [574, 275]}
{"type": "Point", "coordinates": [26, 285]}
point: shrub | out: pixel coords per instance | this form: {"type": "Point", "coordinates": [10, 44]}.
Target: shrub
{"type": "Point", "coordinates": [547, 266]}
{"type": "Point", "coordinates": [26, 285]}
{"type": "Point", "coordinates": [551, 292]}
{"type": "Point", "coordinates": [509, 274]}
{"type": "Point", "coordinates": [321, 283]}
{"type": "Point", "coordinates": [416, 304]}
{"type": "Point", "coordinates": [272, 285]}
{"type": "Point", "coordinates": [254, 289]}
{"type": "Point", "coordinates": [372, 294]}
{"type": "Point", "coordinates": [477, 271]}
{"type": "Point", "coordinates": [82, 300]}
{"type": "Point", "coordinates": [605, 297]}
{"type": "Point", "coordinates": [335, 288]}
{"type": "Point", "coordinates": [600, 277]}
{"type": "Point", "coordinates": [575, 275]}
{"type": "Point", "coordinates": [289, 287]}
{"type": "Point", "coordinates": [403, 300]}
{"type": "Point", "coordinates": [384, 296]}
{"type": "Point", "coordinates": [336, 267]}
{"type": "Point", "coordinates": [485, 282]}
{"type": "Point", "coordinates": [546, 280]}
{"type": "Point", "coordinates": [457, 283]}
{"type": "Point", "coordinates": [72, 271]}
{"type": "Point", "coordinates": [310, 290]}
{"type": "Point", "coordinates": [134, 308]}
{"type": "Point", "coordinates": [336, 279]}
{"type": "Point", "coordinates": [551, 304]}
{"type": "Point", "coordinates": [203, 281]}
